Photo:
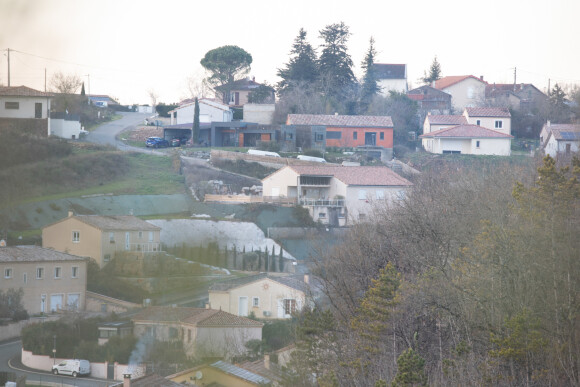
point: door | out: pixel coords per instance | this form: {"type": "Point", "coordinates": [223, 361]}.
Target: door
{"type": "Point", "coordinates": [43, 303]}
{"type": "Point", "coordinates": [243, 306]}
{"type": "Point", "coordinates": [55, 302]}
{"type": "Point", "coordinates": [370, 138]}
{"type": "Point", "coordinates": [127, 240]}
{"type": "Point", "coordinates": [37, 110]}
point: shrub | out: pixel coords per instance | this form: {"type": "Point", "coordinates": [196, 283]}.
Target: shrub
{"type": "Point", "coordinates": [313, 153]}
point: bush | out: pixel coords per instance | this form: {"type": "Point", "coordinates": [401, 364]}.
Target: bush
{"type": "Point", "coordinates": [313, 153]}
{"type": "Point", "coordinates": [270, 146]}
{"type": "Point", "coordinates": [400, 151]}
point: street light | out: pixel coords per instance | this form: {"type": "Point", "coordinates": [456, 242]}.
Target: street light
{"type": "Point", "coordinates": [54, 350]}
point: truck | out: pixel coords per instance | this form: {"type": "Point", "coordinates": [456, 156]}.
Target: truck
{"type": "Point", "coordinates": [73, 367]}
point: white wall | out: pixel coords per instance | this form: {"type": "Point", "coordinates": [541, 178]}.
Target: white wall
{"type": "Point", "coordinates": [467, 93]}
{"type": "Point", "coordinates": [259, 113]}
{"type": "Point", "coordinates": [207, 113]}
{"type": "Point", "coordinates": [489, 123]}
{"type": "Point", "coordinates": [26, 108]}
{"type": "Point", "coordinates": [386, 85]}
{"type": "Point", "coordinates": [144, 109]}
{"type": "Point", "coordinates": [65, 129]}
{"type": "Point", "coordinates": [487, 146]}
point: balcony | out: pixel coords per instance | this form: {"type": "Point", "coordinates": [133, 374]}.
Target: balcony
{"type": "Point", "coordinates": [322, 202]}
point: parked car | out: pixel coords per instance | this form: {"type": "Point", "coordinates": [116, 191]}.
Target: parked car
{"type": "Point", "coordinates": [73, 367]}
{"type": "Point", "coordinates": [156, 142]}
{"type": "Point", "coordinates": [176, 142]}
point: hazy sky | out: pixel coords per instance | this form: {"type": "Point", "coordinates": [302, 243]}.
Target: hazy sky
{"type": "Point", "coordinates": [130, 47]}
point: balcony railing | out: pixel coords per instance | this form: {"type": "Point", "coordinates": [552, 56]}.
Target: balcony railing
{"type": "Point", "coordinates": [322, 202]}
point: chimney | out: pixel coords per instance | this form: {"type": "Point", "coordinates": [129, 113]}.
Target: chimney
{"type": "Point", "coordinates": [433, 84]}
{"type": "Point", "coordinates": [126, 380]}
{"type": "Point", "coordinates": [267, 361]}
{"type": "Point", "coordinates": [207, 305]}
{"type": "Point", "coordinates": [253, 79]}
{"type": "Point", "coordinates": [481, 77]}
{"type": "Point", "coordinates": [549, 123]}
{"type": "Point", "coordinates": [306, 279]}
{"type": "Point", "coordinates": [335, 113]}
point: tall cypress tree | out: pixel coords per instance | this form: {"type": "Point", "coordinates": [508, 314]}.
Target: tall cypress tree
{"type": "Point", "coordinates": [195, 131]}
{"type": "Point", "coordinates": [369, 83]}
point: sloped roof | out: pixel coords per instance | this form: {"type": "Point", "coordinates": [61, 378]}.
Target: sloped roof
{"type": "Point", "coordinates": [34, 254]}
{"type": "Point", "coordinates": [194, 316]}
{"type": "Point", "coordinates": [569, 127]}
{"type": "Point", "coordinates": [258, 367]}
{"type": "Point", "coordinates": [488, 112]}
{"type": "Point", "coordinates": [205, 101]}
{"type": "Point", "coordinates": [119, 222]}
{"type": "Point", "coordinates": [294, 282]}
{"type": "Point", "coordinates": [446, 119]}
{"type": "Point", "coordinates": [22, 91]}
{"type": "Point", "coordinates": [497, 88]}
{"type": "Point", "coordinates": [340, 121]}
{"type": "Point", "coordinates": [445, 82]}
{"type": "Point", "coordinates": [368, 176]}
{"type": "Point", "coordinates": [571, 133]}
{"type": "Point", "coordinates": [390, 71]}
{"type": "Point", "coordinates": [152, 380]}
{"type": "Point", "coordinates": [467, 131]}
{"type": "Point", "coordinates": [241, 373]}
{"type": "Point", "coordinates": [242, 84]}
{"type": "Point", "coordinates": [427, 92]}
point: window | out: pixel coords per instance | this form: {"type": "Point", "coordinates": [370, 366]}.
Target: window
{"type": "Point", "coordinates": [498, 124]}
{"type": "Point", "coordinates": [150, 236]}
{"type": "Point", "coordinates": [256, 302]}
{"type": "Point", "coordinates": [140, 234]}
{"type": "Point", "coordinates": [39, 272]}
{"type": "Point", "coordinates": [382, 135]}
{"type": "Point", "coordinates": [107, 257]}
{"type": "Point", "coordinates": [401, 195]}
{"type": "Point", "coordinates": [380, 194]}
{"type": "Point", "coordinates": [289, 306]}
{"type": "Point", "coordinates": [111, 237]}
{"type": "Point", "coordinates": [362, 194]}
{"type": "Point", "coordinates": [322, 215]}
{"type": "Point", "coordinates": [12, 105]}
{"type": "Point", "coordinates": [362, 216]}
{"type": "Point", "coordinates": [173, 333]}
{"type": "Point", "coordinates": [76, 236]}
{"type": "Point", "coordinates": [289, 136]}
{"type": "Point", "coordinates": [57, 272]}
{"type": "Point", "coordinates": [319, 137]}
{"type": "Point", "coordinates": [477, 144]}
{"type": "Point", "coordinates": [25, 278]}
{"type": "Point", "coordinates": [334, 135]}
{"type": "Point", "coordinates": [75, 272]}
{"type": "Point", "coordinates": [478, 122]}
{"type": "Point", "coordinates": [72, 301]}
{"type": "Point", "coordinates": [8, 273]}
{"type": "Point", "coordinates": [354, 135]}
{"type": "Point", "coordinates": [37, 110]}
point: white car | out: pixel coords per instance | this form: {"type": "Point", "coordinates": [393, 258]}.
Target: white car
{"type": "Point", "coordinates": [73, 367]}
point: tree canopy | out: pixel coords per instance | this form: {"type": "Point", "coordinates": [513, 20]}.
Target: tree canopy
{"type": "Point", "coordinates": [302, 68]}
{"type": "Point", "coordinates": [434, 73]}
{"type": "Point", "coordinates": [335, 63]}
{"type": "Point", "coordinates": [225, 64]}
{"type": "Point", "coordinates": [369, 86]}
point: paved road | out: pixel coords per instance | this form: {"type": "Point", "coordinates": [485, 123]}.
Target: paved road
{"type": "Point", "coordinates": [10, 362]}
{"type": "Point", "coordinates": [106, 133]}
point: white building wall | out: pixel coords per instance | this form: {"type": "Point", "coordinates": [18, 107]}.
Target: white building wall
{"type": "Point", "coordinates": [489, 123]}
{"type": "Point", "coordinates": [491, 146]}
{"type": "Point", "coordinates": [361, 199]}
{"type": "Point", "coordinates": [207, 113]}
{"type": "Point", "coordinates": [467, 93]}
{"type": "Point", "coordinates": [387, 85]}
{"type": "Point", "coordinates": [26, 107]}
{"type": "Point", "coordinates": [280, 183]}
{"type": "Point", "coordinates": [65, 129]}
{"type": "Point", "coordinates": [262, 114]}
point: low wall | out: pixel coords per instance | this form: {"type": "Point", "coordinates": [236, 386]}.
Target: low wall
{"type": "Point", "coordinates": [98, 370]}
{"type": "Point", "coordinates": [269, 161]}
{"type": "Point", "coordinates": [233, 198]}
{"type": "Point", "coordinates": [12, 330]}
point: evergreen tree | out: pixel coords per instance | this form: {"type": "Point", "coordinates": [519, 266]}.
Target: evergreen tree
{"type": "Point", "coordinates": [434, 73]}
{"type": "Point", "coordinates": [235, 257]}
{"type": "Point", "coordinates": [83, 90]}
{"type": "Point", "coordinates": [281, 261]}
{"type": "Point", "coordinates": [195, 132]}
{"type": "Point", "coordinates": [558, 109]}
{"type": "Point", "coordinates": [335, 63]}
{"type": "Point", "coordinates": [411, 370]}
{"type": "Point", "coordinates": [302, 68]}
{"type": "Point", "coordinates": [260, 259]}
{"type": "Point", "coordinates": [369, 83]}
{"type": "Point", "coordinates": [267, 261]}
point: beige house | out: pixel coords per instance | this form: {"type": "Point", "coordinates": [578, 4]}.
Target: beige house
{"type": "Point", "coordinates": [434, 123]}
{"type": "Point", "coordinates": [100, 237]}
{"type": "Point", "coordinates": [25, 109]}
{"type": "Point", "coordinates": [467, 139]}
{"type": "Point", "coordinates": [465, 90]}
{"type": "Point", "coordinates": [51, 280]}
{"type": "Point", "coordinates": [203, 332]}
{"type": "Point", "coordinates": [495, 118]}
{"type": "Point", "coordinates": [563, 140]}
{"type": "Point", "coordinates": [334, 194]}
{"type": "Point", "coordinates": [267, 295]}
{"type": "Point", "coordinates": [237, 93]}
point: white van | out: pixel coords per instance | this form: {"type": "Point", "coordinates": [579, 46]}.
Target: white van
{"type": "Point", "coordinates": [311, 158]}
{"type": "Point", "coordinates": [73, 367]}
{"type": "Point", "coordinates": [257, 152]}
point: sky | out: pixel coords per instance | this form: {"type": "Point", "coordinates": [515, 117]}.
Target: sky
{"type": "Point", "coordinates": [130, 49]}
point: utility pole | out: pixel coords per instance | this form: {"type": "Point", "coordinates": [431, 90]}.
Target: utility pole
{"type": "Point", "coordinates": [8, 50]}
{"type": "Point", "coordinates": [515, 72]}
{"type": "Point", "coordinates": [45, 79]}
{"type": "Point", "coordinates": [89, 88]}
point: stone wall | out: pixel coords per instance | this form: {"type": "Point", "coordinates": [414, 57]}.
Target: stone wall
{"type": "Point", "coordinates": [32, 126]}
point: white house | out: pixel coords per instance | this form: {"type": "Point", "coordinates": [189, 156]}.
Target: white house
{"type": "Point", "coordinates": [467, 139]}
{"type": "Point", "coordinates": [23, 108]}
{"type": "Point", "coordinates": [333, 194]}
{"type": "Point", "coordinates": [267, 295]}
{"type": "Point", "coordinates": [563, 139]}
{"type": "Point", "coordinates": [210, 110]}
{"type": "Point", "coordinates": [65, 125]}
{"type": "Point", "coordinates": [259, 113]}
{"type": "Point", "coordinates": [391, 77]}
{"type": "Point", "coordinates": [465, 90]}
{"type": "Point", "coordinates": [434, 123]}
{"type": "Point", "coordinates": [495, 118]}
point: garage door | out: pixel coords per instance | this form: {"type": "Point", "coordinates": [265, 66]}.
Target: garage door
{"type": "Point", "coordinates": [56, 302]}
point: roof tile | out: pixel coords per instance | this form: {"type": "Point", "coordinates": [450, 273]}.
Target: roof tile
{"type": "Point", "coordinates": [466, 131]}
{"type": "Point", "coordinates": [340, 121]}
{"type": "Point", "coordinates": [446, 120]}
{"type": "Point", "coordinates": [22, 91]}
{"type": "Point", "coordinates": [488, 112]}
{"type": "Point", "coordinates": [369, 176]}
{"type": "Point", "coordinates": [34, 254]}
{"type": "Point", "coordinates": [445, 82]}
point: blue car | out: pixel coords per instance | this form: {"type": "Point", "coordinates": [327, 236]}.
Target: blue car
{"type": "Point", "coordinates": [156, 142]}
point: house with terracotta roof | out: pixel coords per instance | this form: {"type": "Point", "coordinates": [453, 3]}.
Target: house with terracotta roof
{"type": "Point", "coordinates": [203, 332]}
{"type": "Point", "coordinates": [465, 90]}
{"type": "Point", "coordinates": [430, 100]}
{"type": "Point", "coordinates": [101, 237]}
{"type": "Point", "coordinates": [349, 131]}
{"type": "Point", "coordinates": [237, 93]}
{"type": "Point", "coordinates": [435, 122]}
{"type": "Point", "coordinates": [25, 109]}
{"type": "Point", "coordinates": [52, 281]}
{"type": "Point", "coordinates": [521, 96]}
{"type": "Point", "coordinates": [495, 118]}
{"type": "Point", "coordinates": [334, 194]}
{"type": "Point", "coordinates": [391, 77]}
{"type": "Point", "coordinates": [467, 139]}
{"type": "Point", "coordinates": [560, 140]}
{"type": "Point", "coordinates": [266, 295]}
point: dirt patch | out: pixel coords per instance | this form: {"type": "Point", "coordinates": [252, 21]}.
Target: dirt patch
{"type": "Point", "coordinates": [142, 132]}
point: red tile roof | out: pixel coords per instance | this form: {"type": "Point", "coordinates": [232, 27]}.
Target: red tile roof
{"type": "Point", "coordinates": [488, 112]}
{"type": "Point", "coordinates": [22, 91]}
{"type": "Point", "coordinates": [34, 254]}
{"type": "Point", "coordinates": [570, 133]}
{"type": "Point", "coordinates": [446, 120]}
{"type": "Point", "coordinates": [121, 222]}
{"type": "Point", "coordinates": [369, 176]}
{"type": "Point", "coordinates": [466, 131]}
{"type": "Point", "coordinates": [445, 82]}
{"type": "Point", "coordinates": [341, 121]}
{"type": "Point", "coordinates": [194, 316]}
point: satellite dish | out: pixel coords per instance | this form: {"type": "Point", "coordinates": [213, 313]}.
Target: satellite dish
{"type": "Point", "coordinates": [198, 375]}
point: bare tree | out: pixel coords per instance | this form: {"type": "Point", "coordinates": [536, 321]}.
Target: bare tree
{"type": "Point", "coordinates": [65, 83]}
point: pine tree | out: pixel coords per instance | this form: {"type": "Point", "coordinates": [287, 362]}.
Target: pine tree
{"type": "Point", "coordinates": [369, 83]}
{"type": "Point", "coordinates": [267, 261]}
{"type": "Point", "coordinates": [83, 90]}
{"type": "Point", "coordinates": [434, 73]}
{"type": "Point", "coordinates": [411, 370]}
{"type": "Point", "coordinates": [302, 68]}
{"type": "Point", "coordinates": [195, 131]}
{"type": "Point", "coordinates": [335, 64]}
{"type": "Point", "coordinates": [281, 261]}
